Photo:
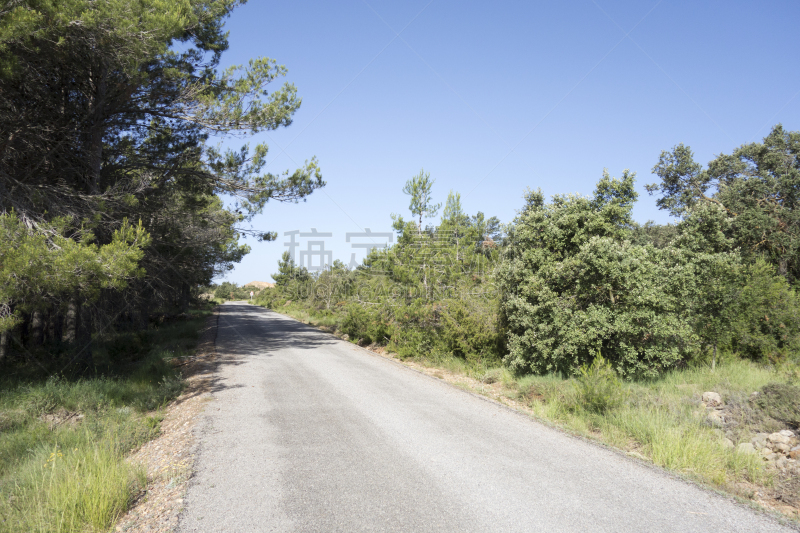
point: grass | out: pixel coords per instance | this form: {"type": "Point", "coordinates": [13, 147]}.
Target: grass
{"type": "Point", "coordinates": [63, 439]}
{"type": "Point", "coordinates": [657, 419]}
{"type": "Point", "coordinates": [660, 419]}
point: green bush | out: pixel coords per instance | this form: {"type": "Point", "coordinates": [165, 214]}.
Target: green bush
{"type": "Point", "coordinates": [598, 389]}
{"type": "Point", "coordinates": [781, 401]}
{"type": "Point", "coordinates": [468, 328]}
{"type": "Point", "coordinates": [766, 317]}
{"type": "Point", "coordinates": [366, 323]}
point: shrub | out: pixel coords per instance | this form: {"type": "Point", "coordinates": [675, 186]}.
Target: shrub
{"type": "Point", "coordinates": [468, 328]}
{"type": "Point", "coordinates": [781, 401]}
{"type": "Point", "coordinates": [365, 323]}
{"type": "Point", "coordinates": [766, 321]}
{"type": "Point", "coordinates": [598, 388]}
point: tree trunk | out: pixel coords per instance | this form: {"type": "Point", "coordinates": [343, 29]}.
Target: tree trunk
{"type": "Point", "coordinates": [71, 322]}
{"type": "Point", "coordinates": [714, 358]}
{"type": "Point", "coordinates": [3, 345]}
{"type": "Point", "coordinates": [37, 328]}
{"type": "Point", "coordinates": [98, 129]}
{"type": "Point", "coordinates": [84, 338]}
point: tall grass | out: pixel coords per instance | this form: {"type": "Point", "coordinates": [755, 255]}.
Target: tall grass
{"type": "Point", "coordinates": [63, 439]}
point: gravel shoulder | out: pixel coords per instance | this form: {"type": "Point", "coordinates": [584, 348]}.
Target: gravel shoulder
{"type": "Point", "coordinates": [306, 432]}
{"type": "Point", "coordinates": [169, 458]}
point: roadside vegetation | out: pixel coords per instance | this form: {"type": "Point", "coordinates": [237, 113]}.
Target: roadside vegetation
{"type": "Point", "coordinates": [678, 343]}
{"type": "Point", "coordinates": [64, 436]}
{"type": "Point", "coordinates": [111, 217]}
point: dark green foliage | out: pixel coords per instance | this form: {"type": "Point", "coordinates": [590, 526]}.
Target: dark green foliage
{"type": "Point", "coordinates": [781, 401]}
{"type": "Point", "coordinates": [111, 186]}
{"type": "Point", "coordinates": [659, 236]}
{"type": "Point", "coordinates": [288, 272]}
{"type": "Point", "coordinates": [765, 317]}
{"type": "Point", "coordinates": [231, 291]}
{"type": "Point", "coordinates": [571, 285]}
{"type": "Point", "coordinates": [365, 324]}
{"type": "Point", "coordinates": [756, 187]}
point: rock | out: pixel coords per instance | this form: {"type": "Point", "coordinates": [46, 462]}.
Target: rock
{"type": "Point", "coordinates": [787, 433]}
{"type": "Point", "coordinates": [766, 452]}
{"type": "Point", "coordinates": [777, 438]}
{"type": "Point", "coordinates": [728, 443]}
{"type": "Point", "coordinates": [781, 448]}
{"type": "Point", "coordinates": [772, 457]}
{"type": "Point", "coordinates": [712, 399]}
{"type": "Point", "coordinates": [760, 440]}
{"type": "Point", "coordinates": [794, 453]}
{"type": "Point", "coordinates": [703, 405]}
{"type": "Point", "coordinates": [781, 462]}
{"type": "Point", "coordinates": [716, 418]}
{"type": "Point", "coordinates": [346, 337]}
{"type": "Point", "coordinates": [745, 447]}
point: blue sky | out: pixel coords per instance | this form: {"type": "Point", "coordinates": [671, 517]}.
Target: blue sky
{"type": "Point", "coordinates": [495, 97]}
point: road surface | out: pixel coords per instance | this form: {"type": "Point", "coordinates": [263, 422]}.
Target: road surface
{"type": "Point", "coordinates": [310, 433]}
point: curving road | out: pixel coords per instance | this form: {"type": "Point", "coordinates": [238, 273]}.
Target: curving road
{"type": "Point", "coordinates": [310, 433]}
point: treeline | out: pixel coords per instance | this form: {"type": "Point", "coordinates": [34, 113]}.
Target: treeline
{"type": "Point", "coordinates": [111, 177]}
{"type": "Point", "coordinates": [576, 277]}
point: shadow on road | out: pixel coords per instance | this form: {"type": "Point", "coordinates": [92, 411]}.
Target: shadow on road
{"type": "Point", "coordinates": [247, 331]}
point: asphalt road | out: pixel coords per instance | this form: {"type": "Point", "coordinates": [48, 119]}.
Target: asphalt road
{"type": "Point", "coordinates": [310, 433]}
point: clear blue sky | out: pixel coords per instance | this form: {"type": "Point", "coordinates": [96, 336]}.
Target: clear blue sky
{"type": "Point", "coordinates": [494, 97]}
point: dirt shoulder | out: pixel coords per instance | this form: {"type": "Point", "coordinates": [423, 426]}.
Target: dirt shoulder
{"type": "Point", "coordinates": [169, 458]}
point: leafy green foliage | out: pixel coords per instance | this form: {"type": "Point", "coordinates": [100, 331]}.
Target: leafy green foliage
{"type": "Point", "coordinates": [39, 268]}
{"type": "Point", "coordinates": [419, 189]}
{"type": "Point", "coordinates": [755, 186]}
{"type": "Point", "coordinates": [572, 286]}
{"type": "Point", "coordinates": [106, 114]}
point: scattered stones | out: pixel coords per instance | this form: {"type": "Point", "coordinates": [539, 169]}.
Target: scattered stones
{"type": "Point", "coordinates": [746, 447]}
{"type": "Point", "coordinates": [777, 438]}
{"type": "Point", "coordinates": [781, 448]}
{"type": "Point", "coordinates": [712, 399]}
{"type": "Point", "coordinates": [760, 440]}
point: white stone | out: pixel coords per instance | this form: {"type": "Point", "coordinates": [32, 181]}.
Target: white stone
{"type": "Point", "coordinates": [728, 443]}
{"type": "Point", "coordinates": [777, 438]}
{"type": "Point", "coordinates": [787, 433]}
{"type": "Point", "coordinates": [781, 448]}
{"type": "Point", "coordinates": [745, 447]}
{"type": "Point", "coordinates": [760, 440]}
{"type": "Point", "coordinates": [712, 399]}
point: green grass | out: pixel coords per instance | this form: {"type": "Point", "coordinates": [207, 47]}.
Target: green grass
{"type": "Point", "coordinates": [63, 439]}
{"type": "Point", "coordinates": [660, 419]}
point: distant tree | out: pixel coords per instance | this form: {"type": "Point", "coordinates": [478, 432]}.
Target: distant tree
{"type": "Point", "coordinates": [756, 186]}
{"type": "Point", "coordinates": [288, 271]}
{"type": "Point", "coordinates": [419, 188]}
